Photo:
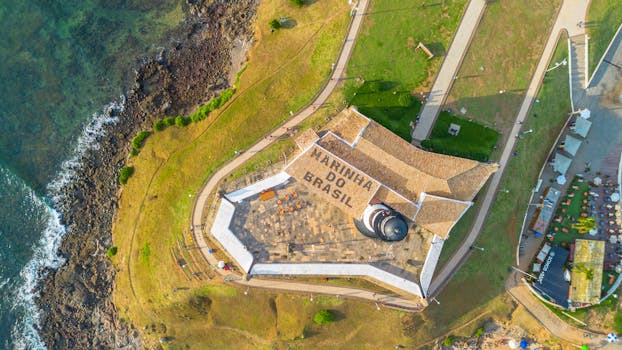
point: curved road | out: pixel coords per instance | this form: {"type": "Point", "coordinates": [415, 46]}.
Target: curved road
{"type": "Point", "coordinates": [212, 183]}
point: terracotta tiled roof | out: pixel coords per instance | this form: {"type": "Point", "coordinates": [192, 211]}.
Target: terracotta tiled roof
{"type": "Point", "coordinates": [400, 171]}
{"type": "Point", "coordinates": [397, 202]}
{"type": "Point", "coordinates": [438, 215]}
{"type": "Point", "coordinates": [306, 139]}
{"type": "Point", "coordinates": [348, 124]}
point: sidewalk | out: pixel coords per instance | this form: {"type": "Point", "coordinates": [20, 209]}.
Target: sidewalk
{"type": "Point", "coordinates": [571, 12]}
{"type": "Point", "coordinates": [449, 69]}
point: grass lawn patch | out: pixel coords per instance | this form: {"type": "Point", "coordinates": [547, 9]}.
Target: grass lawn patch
{"type": "Point", "coordinates": [386, 67]}
{"type": "Point", "coordinates": [564, 231]}
{"type": "Point", "coordinates": [478, 287]}
{"type": "Point", "coordinates": [391, 108]}
{"type": "Point", "coordinates": [603, 18]}
{"type": "Point", "coordinates": [474, 141]}
{"type": "Point", "coordinates": [502, 57]}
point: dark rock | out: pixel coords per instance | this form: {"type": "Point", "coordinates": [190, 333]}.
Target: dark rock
{"type": "Point", "coordinates": [78, 312]}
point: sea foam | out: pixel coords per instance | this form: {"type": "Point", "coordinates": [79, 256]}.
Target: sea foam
{"type": "Point", "coordinates": [45, 252]}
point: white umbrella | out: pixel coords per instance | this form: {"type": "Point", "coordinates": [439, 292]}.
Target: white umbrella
{"type": "Point", "coordinates": [561, 179]}
{"type": "Point", "coordinates": [612, 337]}
{"type": "Point", "coordinates": [585, 113]}
{"type": "Point", "coordinates": [513, 344]}
{"type": "Point", "coordinates": [221, 264]}
{"type": "Point", "coordinates": [593, 232]}
{"type": "Point", "coordinates": [598, 181]}
{"type": "Point", "coordinates": [615, 197]}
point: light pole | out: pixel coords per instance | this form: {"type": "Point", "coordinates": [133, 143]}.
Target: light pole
{"type": "Point", "coordinates": [436, 301]}
{"type": "Point", "coordinates": [504, 190]}
{"type": "Point", "coordinates": [526, 132]}
{"type": "Point", "coordinates": [476, 247]}
{"type": "Point", "coordinates": [558, 64]}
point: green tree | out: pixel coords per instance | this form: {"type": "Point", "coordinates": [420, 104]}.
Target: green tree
{"type": "Point", "coordinates": [169, 121]}
{"type": "Point", "coordinates": [139, 140]}
{"type": "Point", "coordinates": [125, 173]}
{"type": "Point", "coordinates": [324, 317]}
{"type": "Point", "coordinates": [159, 125]}
{"type": "Point", "coordinates": [589, 273]}
{"type": "Point", "coordinates": [181, 121]}
{"type": "Point", "coordinates": [298, 3]}
{"type": "Point", "coordinates": [112, 251]}
{"type": "Point", "coordinates": [275, 24]}
{"type": "Point", "coordinates": [585, 224]}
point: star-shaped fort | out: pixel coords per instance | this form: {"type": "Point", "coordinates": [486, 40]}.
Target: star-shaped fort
{"type": "Point", "coordinates": [355, 200]}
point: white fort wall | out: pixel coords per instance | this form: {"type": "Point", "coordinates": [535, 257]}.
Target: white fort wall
{"type": "Point", "coordinates": [234, 247]}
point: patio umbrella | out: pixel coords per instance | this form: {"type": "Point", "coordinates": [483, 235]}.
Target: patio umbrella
{"type": "Point", "coordinates": [593, 232]}
{"type": "Point", "coordinates": [513, 344]}
{"type": "Point", "coordinates": [561, 179]}
{"type": "Point", "coordinates": [584, 347]}
{"type": "Point", "coordinates": [615, 197]}
{"type": "Point", "coordinates": [598, 181]}
{"type": "Point", "coordinates": [585, 113]}
{"type": "Point", "coordinates": [523, 344]}
{"type": "Point", "coordinates": [612, 337]}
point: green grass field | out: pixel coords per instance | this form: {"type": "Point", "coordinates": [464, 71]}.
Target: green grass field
{"type": "Point", "coordinates": [603, 18]}
{"type": "Point", "coordinates": [487, 270]}
{"type": "Point", "coordinates": [391, 108]}
{"type": "Point", "coordinates": [474, 141]}
{"type": "Point", "coordinates": [502, 56]}
{"type": "Point", "coordinates": [386, 59]}
{"type": "Point", "coordinates": [155, 205]}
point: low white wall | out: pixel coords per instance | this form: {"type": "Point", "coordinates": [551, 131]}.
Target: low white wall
{"type": "Point", "coordinates": [328, 269]}
{"type": "Point", "coordinates": [257, 187]}
{"type": "Point", "coordinates": [222, 233]}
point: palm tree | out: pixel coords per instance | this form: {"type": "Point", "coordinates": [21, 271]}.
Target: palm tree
{"type": "Point", "coordinates": [585, 224]}
{"type": "Point", "coordinates": [589, 273]}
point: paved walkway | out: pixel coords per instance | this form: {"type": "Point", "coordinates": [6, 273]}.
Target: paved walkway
{"type": "Point", "coordinates": [445, 78]}
{"type": "Point", "coordinates": [571, 12]}
{"type": "Point", "coordinates": [573, 335]}
{"type": "Point", "coordinates": [212, 183]}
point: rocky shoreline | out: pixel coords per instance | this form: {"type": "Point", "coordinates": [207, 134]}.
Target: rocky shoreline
{"type": "Point", "coordinates": [77, 310]}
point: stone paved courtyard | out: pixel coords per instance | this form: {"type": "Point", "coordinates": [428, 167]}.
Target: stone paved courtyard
{"type": "Point", "coordinates": [297, 226]}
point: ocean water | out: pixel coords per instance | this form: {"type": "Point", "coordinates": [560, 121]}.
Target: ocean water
{"type": "Point", "coordinates": [63, 65]}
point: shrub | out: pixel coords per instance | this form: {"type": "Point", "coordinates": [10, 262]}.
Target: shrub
{"type": "Point", "coordinates": [181, 121]}
{"type": "Point", "coordinates": [479, 332]}
{"type": "Point", "coordinates": [112, 251]}
{"type": "Point", "coordinates": [169, 121]}
{"type": "Point", "coordinates": [275, 24]}
{"type": "Point", "coordinates": [298, 3]}
{"type": "Point", "coordinates": [324, 317]}
{"type": "Point", "coordinates": [449, 340]}
{"type": "Point", "coordinates": [159, 125]}
{"type": "Point", "coordinates": [145, 252]}
{"type": "Point", "coordinates": [214, 104]}
{"type": "Point", "coordinates": [134, 152]}
{"type": "Point", "coordinates": [125, 173]}
{"type": "Point", "coordinates": [139, 139]}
